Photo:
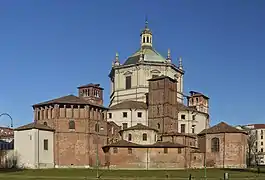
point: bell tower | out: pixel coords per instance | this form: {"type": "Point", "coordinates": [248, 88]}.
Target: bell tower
{"type": "Point", "coordinates": [92, 93]}
{"type": "Point", "coordinates": [199, 101]}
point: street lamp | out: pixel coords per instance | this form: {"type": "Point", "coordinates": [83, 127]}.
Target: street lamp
{"type": "Point", "coordinates": [206, 127]}
{"type": "Point", "coordinates": [11, 119]}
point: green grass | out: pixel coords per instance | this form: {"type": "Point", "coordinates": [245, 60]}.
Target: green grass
{"type": "Point", "coordinates": [52, 174]}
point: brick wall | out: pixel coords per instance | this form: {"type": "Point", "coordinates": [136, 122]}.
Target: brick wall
{"type": "Point", "coordinates": [162, 110]}
{"type": "Point", "coordinates": [147, 158]}
{"type": "Point", "coordinates": [78, 146]}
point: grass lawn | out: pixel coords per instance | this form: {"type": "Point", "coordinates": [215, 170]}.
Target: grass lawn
{"type": "Point", "coordinates": [52, 174]}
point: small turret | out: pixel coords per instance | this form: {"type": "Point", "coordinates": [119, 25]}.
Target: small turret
{"type": "Point", "coordinates": [146, 36]}
{"type": "Point", "coordinates": [92, 93]}
{"type": "Point", "coordinates": [199, 101]}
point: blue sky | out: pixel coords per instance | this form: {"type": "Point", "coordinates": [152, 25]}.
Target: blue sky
{"type": "Point", "coordinates": [49, 47]}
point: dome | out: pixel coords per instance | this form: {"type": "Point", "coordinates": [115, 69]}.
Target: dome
{"type": "Point", "coordinates": [150, 55]}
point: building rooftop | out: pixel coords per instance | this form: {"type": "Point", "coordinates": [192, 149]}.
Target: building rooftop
{"type": "Point", "coordinates": [34, 125]}
{"type": "Point", "coordinates": [129, 105]}
{"type": "Point", "coordinates": [158, 144]}
{"type": "Point", "coordinates": [91, 85]}
{"type": "Point", "coordinates": [69, 99]}
{"type": "Point", "coordinates": [139, 126]}
{"type": "Point", "coordinates": [221, 128]}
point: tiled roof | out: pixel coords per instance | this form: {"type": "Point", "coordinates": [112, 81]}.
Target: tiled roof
{"type": "Point", "coordinates": [259, 126]}
{"type": "Point", "coordinates": [159, 144]}
{"type": "Point", "coordinates": [69, 99]}
{"type": "Point", "coordinates": [197, 94]}
{"type": "Point", "coordinates": [6, 132]}
{"type": "Point", "coordinates": [161, 77]}
{"type": "Point", "coordinates": [139, 126]}
{"type": "Point", "coordinates": [34, 125]}
{"type": "Point", "coordinates": [90, 85]}
{"type": "Point", "coordinates": [174, 133]}
{"type": "Point", "coordinates": [221, 128]}
{"type": "Point", "coordinates": [128, 105]}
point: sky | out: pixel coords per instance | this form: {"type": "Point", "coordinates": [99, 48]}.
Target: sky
{"type": "Point", "coordinates": [49, 47]}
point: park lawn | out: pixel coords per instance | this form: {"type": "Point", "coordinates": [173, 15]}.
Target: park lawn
{"type": "Point", "coordinates": [53, 174]}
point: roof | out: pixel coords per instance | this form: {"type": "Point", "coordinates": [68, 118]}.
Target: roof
{"type": "Point", "coordinates": [129, 105]}
{"type": "Point", "coordinates": [197, 94]}
{"type": "Point", "coordinates": [150, 55]}
{"type": "Point", "coordinates": [158, 144]}
{"type": "Point", "coordinates": [175, 133]}
{"type": "Point", "coordinates": [139, 126]}
{"type": "Point", "coordinates": [258, 126]}
{"type": "Point", "coordinates": [221, 128]}
{"type": "Point", "coordinates": [34, 125]}
{"type": "Point", "coordinates": [162, 77]}
{"type": "Point", "coordinates": [90, 85]}
{"type": "Point", "coordinates": [69, 99]}
{"type": "Point", "coordinates": [6, 132]}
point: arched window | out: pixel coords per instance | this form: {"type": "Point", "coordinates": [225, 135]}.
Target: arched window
{"type": "Point", "coordinates": [97, 127]}
{"type": "Point", "coordinates": [45, 123]}
{"type": "Point", "coordinates": [147, 40]}
{"type": "Point", "coordinates": [144, 137]}
{"type": "Point", "coordinates": [143, 39]}
{"type": "Point", "coordinates": [215, 144]}
{"type": "Point", "coordinates": [129, 137]}
{"type": "Point", "coordinates": [158, 126]}
{"type": "Point", "coordinates": [71, 124]}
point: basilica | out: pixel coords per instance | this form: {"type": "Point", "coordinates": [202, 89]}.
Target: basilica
{"type": "Point", "coordinates": [147, 124]}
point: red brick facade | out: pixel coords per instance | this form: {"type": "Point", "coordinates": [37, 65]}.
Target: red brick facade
{"type": "Point", "coordinates": [162, 104]}
{"type": "Point", "coordinates": [80, 128]}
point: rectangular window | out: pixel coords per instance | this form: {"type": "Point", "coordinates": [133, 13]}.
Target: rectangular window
{"type": "Point", "coordinates": [128, 82]}
{"type": "Point", "coordinates": [124, 114]}
{"type": "Point", "coordinates": [115, 150]}
{"type": "Point", "coordinates": [124, 125]}
{"type": "Point", "coordinates": [165, 150]}
{"type": "Point", "coordinates": [139, 114]}
{"type": "Point", "coordinates": [179, 150]}
{"type": "Point", "coordinates": [261, 150]}
{"type": "Point", "coordinates": [193, 129]}
{"type": "Point", "coordinates": [261, 143]}
{"type": "Point", "coordinates": [183, 116]}
{"type": "Point", "coordinates": [45, 144]}
{"type": "Point", "coordinates": [193, 117]}
{"type": "Point", "coordinates": [182, 128]}
{"type": "Point", "coordinates": [129, 150]}
{"type": "Point", "coordinates": [110, 115]}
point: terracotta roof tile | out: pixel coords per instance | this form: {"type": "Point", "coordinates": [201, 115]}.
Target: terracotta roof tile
{"type": "Point", "coordinates": [128, 105]}
{"type": "Point", "coordinates": [158, 144]}
{"type": "Point", "coordinates": [162, 77]}
{"type": "Point", "coordinates": [259, 126]}
{"type": "Point", "coordinates": [139, 126]}
{"type": "Point", "coordinates": [91, 85]}
{"type": "Point", "coordinates": [175, 133]}
{"type": "Point", "coordinates": [69, 99]}
{"type": "Point", "coordinates": [221, 128]}
{"type": "Point", "coordinates": [34, 126]}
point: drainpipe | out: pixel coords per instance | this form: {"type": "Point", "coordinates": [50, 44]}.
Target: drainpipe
{"type": "Point", "coordinates": [131, 117]}
{"type": "Point", "coordinates": [38, 149]}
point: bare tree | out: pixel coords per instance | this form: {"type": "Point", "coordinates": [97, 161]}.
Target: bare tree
{"type": "Point", "coordinates": [251, 151]}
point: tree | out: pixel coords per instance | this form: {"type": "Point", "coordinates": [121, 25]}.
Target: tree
{"type": "Point", "coordinates": [251, 151]}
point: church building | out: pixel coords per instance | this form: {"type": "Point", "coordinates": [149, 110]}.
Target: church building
{"type": "Point", "coordinates": [130, 87]}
